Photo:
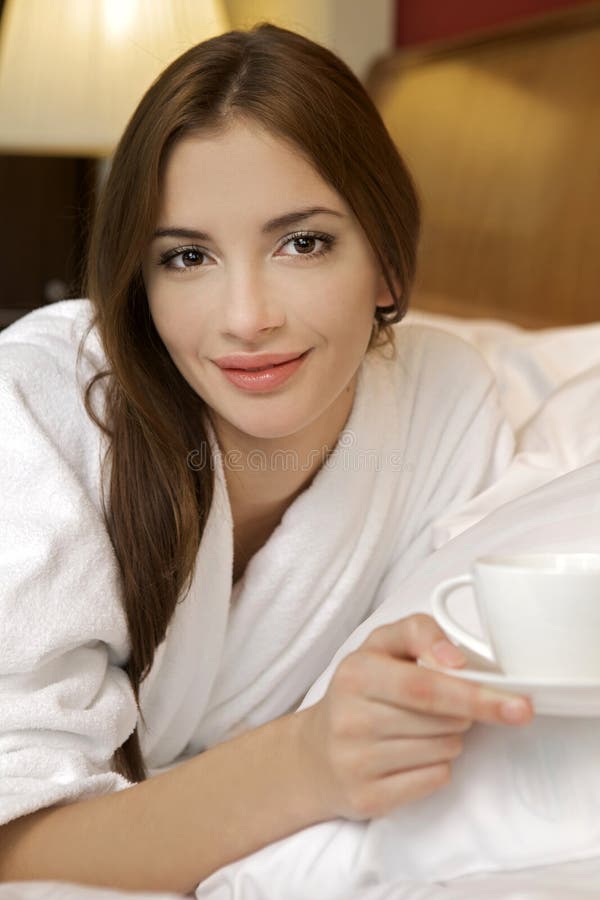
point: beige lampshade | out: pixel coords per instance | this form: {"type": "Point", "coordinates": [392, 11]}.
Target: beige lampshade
{"type": "Point", "coordinates": [73, 71]}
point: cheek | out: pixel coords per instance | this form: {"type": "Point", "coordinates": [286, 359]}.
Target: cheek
{"type": "Point", "coordinates": [347, 299]}
{"type": "Point", "coordinates": [176, 337]}
{"type": "Point", "coordinates": [175, 319]}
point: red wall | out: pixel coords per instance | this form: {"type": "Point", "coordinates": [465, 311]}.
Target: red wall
{"type": "Point", "coordinates": [419, 21]}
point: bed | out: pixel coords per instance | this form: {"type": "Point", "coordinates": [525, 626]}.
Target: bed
{"type": "Point", "coordinates": [503, 136]}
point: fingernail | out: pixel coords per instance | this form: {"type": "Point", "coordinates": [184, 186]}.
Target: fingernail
{"type": "Point", "coordinates": [515, 710]}
{"type": "Point", "coordinates": [448, 653]}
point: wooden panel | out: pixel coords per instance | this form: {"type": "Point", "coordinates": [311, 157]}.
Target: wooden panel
{"type": "Point", "coordinates": [503, 137]}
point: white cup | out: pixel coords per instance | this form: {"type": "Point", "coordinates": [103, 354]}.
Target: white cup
{"type": "Point", "coordinates": [540, 613]}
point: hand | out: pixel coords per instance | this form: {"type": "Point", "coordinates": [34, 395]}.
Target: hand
{"type": "Point", "coordinates": [387, 730]}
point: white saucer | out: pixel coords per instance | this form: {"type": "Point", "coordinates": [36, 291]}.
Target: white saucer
{"type": "Point", "coordinates": [550, 696]}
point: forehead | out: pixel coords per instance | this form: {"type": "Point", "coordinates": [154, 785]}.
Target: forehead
{"type": "Point", "coordinates": [241, 170]}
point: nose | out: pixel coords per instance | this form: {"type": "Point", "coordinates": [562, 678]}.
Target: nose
{"type": "Point", "coordinates": [250, 305]}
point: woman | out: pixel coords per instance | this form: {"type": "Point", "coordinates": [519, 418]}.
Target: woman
{"type": "Point", "coordinates": [257, 216]}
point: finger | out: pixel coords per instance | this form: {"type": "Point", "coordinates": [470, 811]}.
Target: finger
{"type": "Point", "coordinates": [449, 694]}
{"type": "Point", "coordinates": [374, 760]}
{"type": "Point", "coordinates": [417, 636]}
{"type": "Point", "coordinates": [373, 719]}
{"type": "Point", "coordinates": [386, 794]}
{"type": "Point", "coordinates": [406, 685]}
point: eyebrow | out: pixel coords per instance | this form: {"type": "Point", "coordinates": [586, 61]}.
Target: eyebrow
{"type": "Point", "coordinates": [275, 224]}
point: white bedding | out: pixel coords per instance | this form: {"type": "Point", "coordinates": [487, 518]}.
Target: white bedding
{"type": "Point", "coordinates": [529, 365]}
{"type": "Point", "coordinates": [550, 382]}
{"type": "Point", "coordinates": [567, 881]}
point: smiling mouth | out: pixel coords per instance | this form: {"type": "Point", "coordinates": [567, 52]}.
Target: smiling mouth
{"type": "Point", "coordinates": [267, 367]}
{"type": "Point", "coordinates": [264, 379]}
{"type": "Point", "coordinates": [272, 366]}
{"type": "Point", "coordinates": [256, 362]}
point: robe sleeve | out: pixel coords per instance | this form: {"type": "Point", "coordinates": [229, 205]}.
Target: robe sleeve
{"type": "Point", "coordinates": [66, 703]}
{"type": "Point", "coordinates": [459, 441]}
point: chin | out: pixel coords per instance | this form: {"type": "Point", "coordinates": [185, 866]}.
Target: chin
{"type": "Point", "coordinates": [262, 431]}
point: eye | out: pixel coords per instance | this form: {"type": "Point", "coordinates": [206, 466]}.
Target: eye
{"type": "Point", "coordinates": [304, 242]}
{"type": "Point", "coordinates": [190, 258]}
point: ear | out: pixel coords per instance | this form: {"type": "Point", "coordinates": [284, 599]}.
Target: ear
{"type": "Point", "coordinates": [384, 296]}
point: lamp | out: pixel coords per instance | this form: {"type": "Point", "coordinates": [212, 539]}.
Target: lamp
{"type": "Point", "coordinates": [73, 71]}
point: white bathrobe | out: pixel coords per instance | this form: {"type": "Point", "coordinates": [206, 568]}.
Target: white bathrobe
{"type": "Point", "coordinates": [425, 434]}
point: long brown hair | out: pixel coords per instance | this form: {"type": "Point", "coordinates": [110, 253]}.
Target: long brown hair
{"type": "Point", "coordinates": [156, 505]}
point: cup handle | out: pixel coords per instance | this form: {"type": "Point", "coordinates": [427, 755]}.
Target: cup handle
{"type": "Point", "coordinates": [442, 616]}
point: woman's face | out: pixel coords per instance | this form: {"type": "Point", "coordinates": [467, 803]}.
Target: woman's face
{"type": "Point", "coordinates": [240, 283]}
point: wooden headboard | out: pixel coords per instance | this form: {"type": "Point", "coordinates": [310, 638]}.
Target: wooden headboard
{"type": "Point", "coordinates": [502, 135]}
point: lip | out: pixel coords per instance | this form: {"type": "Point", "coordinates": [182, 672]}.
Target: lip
{"type": "Point", "coordinates": [256, 360]}
{"type": "Point", "coordinates": [265, 380]}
